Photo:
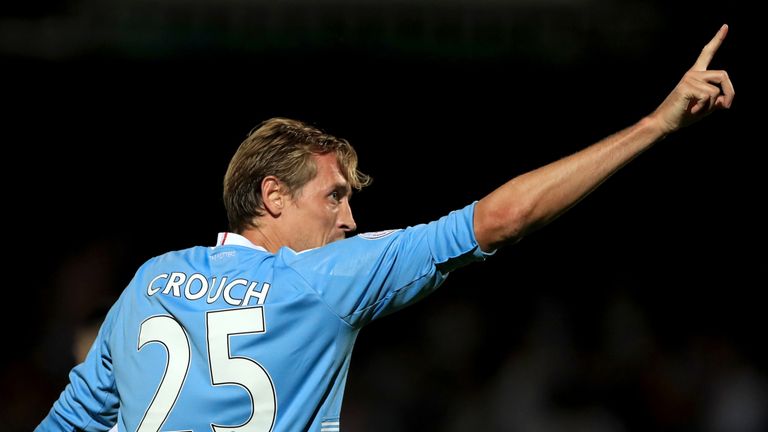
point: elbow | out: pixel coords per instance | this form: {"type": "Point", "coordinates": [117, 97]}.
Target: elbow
{"type": "Point", "coordinates": [496, 226]}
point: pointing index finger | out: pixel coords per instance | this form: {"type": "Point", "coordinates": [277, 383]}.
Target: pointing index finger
{"type": "Point", "coordinates": [702, 63]}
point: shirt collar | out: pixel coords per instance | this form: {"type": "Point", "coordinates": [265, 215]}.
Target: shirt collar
{"type": "Point", "coordinates": [228, 238]}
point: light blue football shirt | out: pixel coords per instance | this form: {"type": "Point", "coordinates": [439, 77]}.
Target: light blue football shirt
{"type": "Point", "coordinates": [234, 338]}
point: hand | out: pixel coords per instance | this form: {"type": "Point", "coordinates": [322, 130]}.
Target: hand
{"type": "Point", "coordinates": [699, 93]}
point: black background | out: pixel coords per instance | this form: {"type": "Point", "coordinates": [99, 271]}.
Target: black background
{"type": "Point", "coordinates": [115, 151]}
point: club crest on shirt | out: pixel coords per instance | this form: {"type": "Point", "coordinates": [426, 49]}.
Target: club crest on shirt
{"type": "Point", "coordinates": [377, 234]}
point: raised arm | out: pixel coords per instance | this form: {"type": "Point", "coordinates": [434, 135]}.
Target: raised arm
{"type": "Point", "coordinates": [534, 199]}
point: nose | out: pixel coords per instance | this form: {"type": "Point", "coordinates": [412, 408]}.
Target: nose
{"type": "Point", "coordinates": [346, 221]}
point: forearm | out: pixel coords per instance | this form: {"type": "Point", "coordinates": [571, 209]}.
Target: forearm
{"type": "Point", "coordinates": [88, 403]}
{"type": "Point", "coordinates": [534, 199]}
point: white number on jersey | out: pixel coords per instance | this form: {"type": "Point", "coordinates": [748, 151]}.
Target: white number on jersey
{"type": "Point", "coordinates": [225, 369]}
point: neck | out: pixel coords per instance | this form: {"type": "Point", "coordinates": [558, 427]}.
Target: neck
{"type": "Point", "coordinates": [264, 237]}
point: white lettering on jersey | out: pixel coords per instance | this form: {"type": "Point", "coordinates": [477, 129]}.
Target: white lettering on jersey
{"type": "Point", "coordinates": [238, 292]}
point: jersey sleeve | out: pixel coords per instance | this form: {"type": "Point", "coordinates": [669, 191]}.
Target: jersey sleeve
{"type": "Point", "coordinates": [371, 275]}
{"type": "Point", "coordinates": [90, 401]}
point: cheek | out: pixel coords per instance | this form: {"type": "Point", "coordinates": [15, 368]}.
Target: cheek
{"type": "Point", "coordinates": [330, 221]}
{"type": "Point", "coordinates": [322, 216]}
{"type": "Point", "coordinates": [317, 219]}
{"type": "Point", "coordinates": [329, 215]}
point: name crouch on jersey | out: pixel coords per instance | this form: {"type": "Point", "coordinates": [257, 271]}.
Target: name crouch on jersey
{"type": "Point", "coordinates": [236, 292]}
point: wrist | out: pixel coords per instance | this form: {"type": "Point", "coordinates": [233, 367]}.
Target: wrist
{"type": "Point", "coordinates": [656, 127]}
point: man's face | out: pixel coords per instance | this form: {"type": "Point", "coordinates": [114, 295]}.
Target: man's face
{"type": "Point", "coordinates": [320, 212]}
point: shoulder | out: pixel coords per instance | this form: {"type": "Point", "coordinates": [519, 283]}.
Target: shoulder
{"type": "Point", "coordinates": [376, 235]}
{"type": "Point", "coordinates": [175, 258]}
{"type": "Point", "coordinates": [182, 254]}
{"type": "Point", "coordinates": [341, 256]}
{"type": "Point", "coordinates": [356, 244]}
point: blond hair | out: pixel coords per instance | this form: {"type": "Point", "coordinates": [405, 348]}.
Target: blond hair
{"type": "Point", "coordinates": [282, 148]}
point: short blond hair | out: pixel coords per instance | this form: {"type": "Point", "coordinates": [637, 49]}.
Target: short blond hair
{"type": "Point", "coordinates": [282, 148]}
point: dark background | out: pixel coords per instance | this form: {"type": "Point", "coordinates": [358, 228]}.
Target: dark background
{"type": "Point", "coordinates": [638, 310]}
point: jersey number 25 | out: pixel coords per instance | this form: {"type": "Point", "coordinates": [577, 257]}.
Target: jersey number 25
{"type": "Point", "coordinates": [225, 369]}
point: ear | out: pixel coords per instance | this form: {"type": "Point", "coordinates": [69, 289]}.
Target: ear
{"type": "Point", "coordinates": [272, 195]}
